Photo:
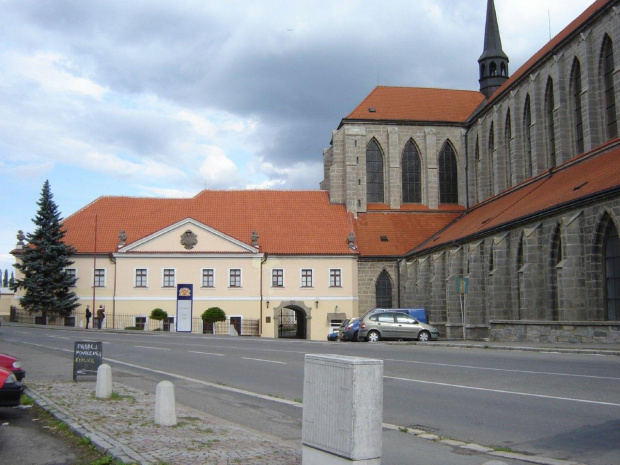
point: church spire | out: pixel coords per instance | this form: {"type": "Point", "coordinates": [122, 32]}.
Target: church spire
{"type": "Point", "coordinates": [493, 63]}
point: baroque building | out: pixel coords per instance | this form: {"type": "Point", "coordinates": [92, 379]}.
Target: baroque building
{"type": "Point", "coordinates": [495, 210]}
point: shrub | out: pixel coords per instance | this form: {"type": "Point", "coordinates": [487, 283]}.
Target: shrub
{"type": "Point", "coordinates": [213, 314]}
{"type": "Point", "coordinates": [158, 314]}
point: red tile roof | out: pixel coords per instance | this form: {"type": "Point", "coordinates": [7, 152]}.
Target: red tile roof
{"type": "Point", "coordinates": [403, 230]}
{"type": "Point", "coordinates": [579, 179]}
{"type": "Point", "coordinates": [288, 222]}
{"type": "Point", "coordinates": [551, 46]}
{"type": "Point", "coordinates": [417, 104]}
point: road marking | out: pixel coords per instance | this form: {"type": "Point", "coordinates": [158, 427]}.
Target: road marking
{"type": "Point", "coordinates": [261, 360]}
{"type": "Point", "coordinates": [58, 337]}
{"type": "Point", "coordinates": [469, 367]}
{"type": "Point", "coordinates": [205, 353]}
{"type": "Point", "coordinates": [501, 391]}
{"type": "Point", "coordinates": [154, 348]}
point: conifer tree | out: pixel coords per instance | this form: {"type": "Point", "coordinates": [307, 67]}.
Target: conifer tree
{"type": "Point", "coordinates": [12, 280]}
{"type": "Point", "coordinates": [5, 279]}
{"type": "Point", "coordinates": [43, 262]}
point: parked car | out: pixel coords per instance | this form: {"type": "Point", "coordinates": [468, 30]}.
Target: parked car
{"type": "Point", "coordinates": [375, 326]}
{"type": "Point", "coordinates": [350, 330]}
{"type": "Point", "coordinates": [333, 336]}
{"type": "Point", "coordinates": [8, 362]}
{"type": "Point", "coordinates": [11, 390]}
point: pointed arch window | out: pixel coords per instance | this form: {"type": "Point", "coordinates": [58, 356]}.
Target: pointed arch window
{"type": "Point", "coordinates": [478, 171]}
{"type": "Point", "coordinates": [576, 89]}
{"type": "Point", "coordinates": [374, 173]}
{"type": "Point", "coordinates": [383, 290]}
{"type": "Point", "coordinates": [611, 247]}
{"type": "Point", "coordinates": [527, 130]}
{"type": "Point", "coordinates": [520, 278]}
{"type": "Point", "coordinates": [550, 123]}
{"type": "Point", "coordinates": [607, 57]}
{"type": "Point", "coordinates": [412, 174]}
{"type": "Point", "coordinates": [508, 148]}
{"type": "Point", "coordinates": [448, 175]}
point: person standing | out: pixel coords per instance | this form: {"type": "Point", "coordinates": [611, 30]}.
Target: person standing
{"type": "Point", "coordinates": [100, 315]}
{"type": "Point", "coordinates": [88, 315]}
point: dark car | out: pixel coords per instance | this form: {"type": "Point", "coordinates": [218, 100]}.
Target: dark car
{"type": "Point", "coordinates": [375, 326]}
{"type": "Point", "coordinates": [11, 390]}
{"type": "Point", "coordinates": [349, 330]}
{"type": "Point", "coordinates": [8, 362]}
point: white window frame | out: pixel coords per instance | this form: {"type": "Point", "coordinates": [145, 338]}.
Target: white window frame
{"type": "Point", "coordinates": [272, 271]}
{"type": "Point", "coordinates": [163, 278]}
{"type": "Point", "coordinates": [135, 278]}
{"type": "Point", "coordinates": [75, 275]}
{"type": "Point", "coordinates": [339, 270]}
{"type": "Point", "coordinates": [103, 279]}
{"type": "Point", "coordinates": [202, 280]}
{"type": "Point", "coordinates": [230, 270]}
{"type": "Point", "coordinates": [301, 278]}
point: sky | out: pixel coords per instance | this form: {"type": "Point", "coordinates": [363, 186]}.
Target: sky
{"type": "Point", "coordinates": [156, 98]}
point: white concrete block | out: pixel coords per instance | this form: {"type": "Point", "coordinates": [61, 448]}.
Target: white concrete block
{"type": "Point", "coordinates": [103, 389]}
{"type": "Point", "coordinates": [165, 405]}
{"type": "Point", "coordinates": [343, 410]}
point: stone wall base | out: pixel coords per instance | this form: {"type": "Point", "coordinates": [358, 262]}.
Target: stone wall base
{"type": "Point", "coordinates": [576, 332]}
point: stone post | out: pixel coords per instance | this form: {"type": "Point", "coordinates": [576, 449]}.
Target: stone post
{"type": "Point", "coordinates": [165, 406]}
{"type": "Point", "coordinates": [103, 389]}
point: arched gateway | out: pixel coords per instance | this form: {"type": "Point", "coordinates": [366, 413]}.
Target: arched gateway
{"type": "Point", "coordinates": [292, 320]}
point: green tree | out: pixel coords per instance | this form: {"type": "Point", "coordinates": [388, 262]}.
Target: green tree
{"type": "Point", "coordinates": [43, 262]}
{"type": "Point", "coordinates": [159, 314]}
{"type": "Point", "coordinates": [5, 279]}
{"type": "Point", "coordinates": [212, 315]}
{"type": "Point", "coordinates": [12, 280]}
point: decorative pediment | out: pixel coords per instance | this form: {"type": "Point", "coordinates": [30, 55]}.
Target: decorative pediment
{"type": "Point", "coordinates": [188, 236]}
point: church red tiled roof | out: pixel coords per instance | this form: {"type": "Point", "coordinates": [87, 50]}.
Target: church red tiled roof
{"type": "Point", "coordinates": [288, 222]}
{"type": "Point", "coordinates": [417, 104]}
{"type": "Point", "coordinates": [581, 178]}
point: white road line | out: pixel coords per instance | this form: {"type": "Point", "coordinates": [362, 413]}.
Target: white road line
{"type": "Point", "coordinates": [500, 391]}
{"type": "Point", "coordinates": [469, 367]}
{"type": "Point", "coordinates": [204, 353]}
{"type": "Point", "coordinates": [154, 348]}
{"type": "Point", "coordinates": [261, 360]}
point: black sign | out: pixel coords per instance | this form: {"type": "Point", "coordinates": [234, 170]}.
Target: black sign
{"type": "Point", "coordinates": [87, 356]}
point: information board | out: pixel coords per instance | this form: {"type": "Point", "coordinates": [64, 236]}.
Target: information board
{"type": "Point", "coordinates": [87, 356]}
{"type": "Point", "coordinates": [185, 299]}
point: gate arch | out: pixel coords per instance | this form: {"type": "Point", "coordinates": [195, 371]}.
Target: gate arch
{"type": "Point", "coordinates": [292, 320]}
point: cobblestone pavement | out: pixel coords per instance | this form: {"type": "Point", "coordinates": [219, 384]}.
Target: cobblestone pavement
{"type": "Point", "coordinates": [124, 427]}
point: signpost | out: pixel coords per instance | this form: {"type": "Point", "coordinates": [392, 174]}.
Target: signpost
{"type": "Point", "coordinates": [185, 300]}
{"type": "Point", "coordinates": [87, 356]}
{"type": "Point", "coordinates": [462, 287]}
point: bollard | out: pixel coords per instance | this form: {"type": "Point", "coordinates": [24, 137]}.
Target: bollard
{"type": "Point", "coordinates": [165, 408]}
{"type": "Point", "coordinates": [103, 389]}
{"type": "Point", "coordinates": [343, 410]}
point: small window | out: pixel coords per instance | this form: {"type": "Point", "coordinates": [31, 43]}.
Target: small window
{"type": "Point", "coordinates": [385, 318]}
{"type": "Point", "coordinates": [140, 322]}
{"type": "Point", "coordinates": [100, 277]}
{"type": "Point", "coordinates": [169, 277]}
{"type": "Point", "coordinates": [306, 278]}
{"type": "Point", "coordinates": [208, 277]}
{"type": "Point", "coordinates": [235, 278]}
{"type": "Point", "coordinates": [141, 277]}
{"type": "Point", "coordinates": [72, 274]}
{"type": "Point", "coordinates": [277, 278]}
{"type": "Point", "coordinates": [335, 278]}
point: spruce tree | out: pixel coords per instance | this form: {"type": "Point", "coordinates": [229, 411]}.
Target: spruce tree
{"type": "Point", "coordinates": [45, 257]}
{"type": "Point", "coordinates": [5, 279]}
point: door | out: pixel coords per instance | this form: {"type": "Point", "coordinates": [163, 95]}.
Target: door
{"type": "Point", "coordinates": [236, 322]}
{"type": "Point", "coordinates": [386, 325]}
{"type": "Point", "coordinates": [407, 327]}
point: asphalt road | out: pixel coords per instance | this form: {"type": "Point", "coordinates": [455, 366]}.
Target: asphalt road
{"type": "Point", "coordinates": [555, 405]}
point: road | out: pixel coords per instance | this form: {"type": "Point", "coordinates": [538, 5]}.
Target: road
{"type": "Point", "coordinates": [554, 405]}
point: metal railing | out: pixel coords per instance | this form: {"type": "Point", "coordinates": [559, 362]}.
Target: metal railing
{"type": "Point", "coordinates": [245, 327]}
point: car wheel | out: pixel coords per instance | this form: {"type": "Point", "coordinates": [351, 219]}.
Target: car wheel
{"type": "Point", "coordinates": [424, 336]}
{"type": "Point", "coordinates": [373, 336]}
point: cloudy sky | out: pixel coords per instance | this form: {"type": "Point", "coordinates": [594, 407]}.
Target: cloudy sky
{"type": "Point", "coordinates": [165, 98]}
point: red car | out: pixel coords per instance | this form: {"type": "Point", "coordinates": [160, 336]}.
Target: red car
{"type": "Point", "coordinates": [11, 390]}
{"type": "Point", "coordinates": [8, 362]}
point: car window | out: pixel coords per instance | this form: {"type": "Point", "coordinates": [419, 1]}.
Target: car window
{"type": "Point", "coordinates": [386, 318]}
{"type": "Point", "coordinates": [405, 319]}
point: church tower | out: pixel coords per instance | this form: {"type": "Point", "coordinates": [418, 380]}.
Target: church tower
{"type": "Point", "coordinates": [493, 63]}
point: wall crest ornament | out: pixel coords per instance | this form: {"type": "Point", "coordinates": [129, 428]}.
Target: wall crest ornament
{"type": "Point", "coordinates": [189, 239]}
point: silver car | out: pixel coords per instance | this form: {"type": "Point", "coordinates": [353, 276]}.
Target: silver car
{"type": "Point", "coordinates": [395, 325]}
